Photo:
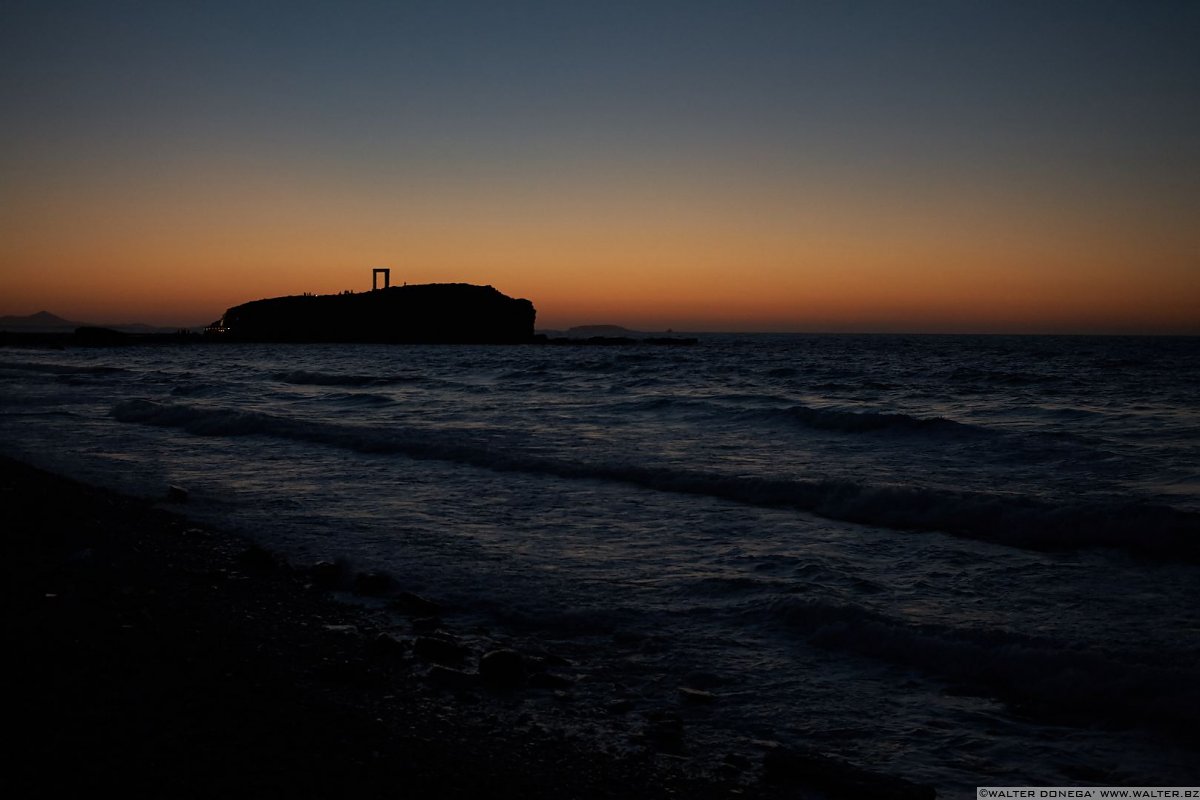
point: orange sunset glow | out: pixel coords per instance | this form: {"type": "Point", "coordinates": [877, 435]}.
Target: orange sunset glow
{"type": "Point", "coordinates": [661, 193]}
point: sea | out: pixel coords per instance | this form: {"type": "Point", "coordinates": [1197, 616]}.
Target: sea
{"type": "Point", "coordinates": [963, 560]}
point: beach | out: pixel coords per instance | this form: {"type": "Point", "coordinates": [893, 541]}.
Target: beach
{"type": "Point", "coordinates": [155, 657]}
{"type": "Point", "coordinates": [160, 657]}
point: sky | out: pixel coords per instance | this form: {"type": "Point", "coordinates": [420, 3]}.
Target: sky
{"type": "Point", "coordinates": [956, 166]}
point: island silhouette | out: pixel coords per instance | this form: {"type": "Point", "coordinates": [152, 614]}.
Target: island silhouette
{"type": "Point", "coordinates": [432, 313]}
{"type": "Point", "coordinates": [456, 313]}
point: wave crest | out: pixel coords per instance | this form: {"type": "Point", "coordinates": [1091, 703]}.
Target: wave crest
{"type": "Point", "coordinates": [1146, 529]}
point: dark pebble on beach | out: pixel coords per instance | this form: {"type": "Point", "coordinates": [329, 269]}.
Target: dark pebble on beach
{"type": "Point", "coordinates": [327, 574]}
{"type": "Point", "coordinates": [450, 678]}
{"type": "Point", "coordinates": [426, 624]}
{"type": "Point", "coordinates": [548, 680]}
{"type": "Point", "coordinates": [413, 605]}
{"type": "Point", "coordinates": [254, 560]}
{"type": "Point", "coordinates": [372, 584]}
{"type": "Point", "coordinates": [441, 650]}
{"type": "Point", "coordinates": [388, 645]}
{"type": "Point", "coordinates": [502, 669]}
{"type": "Point", "coordinates": [348, 673]}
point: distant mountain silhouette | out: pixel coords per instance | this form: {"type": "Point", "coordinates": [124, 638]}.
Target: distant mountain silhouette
{"type": "Point", "coordinates": [42, 321]}
{"type": "Point", "coordinates": [45, 322]}
{"type": "Point", "coordinates": [435, 312]}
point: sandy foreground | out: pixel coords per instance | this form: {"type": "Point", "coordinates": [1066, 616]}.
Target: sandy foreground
{"type": "Point", "coordinates": [157, 658]}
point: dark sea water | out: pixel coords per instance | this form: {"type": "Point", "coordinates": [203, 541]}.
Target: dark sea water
{"type": "Point", "coordinates": [964, 560]}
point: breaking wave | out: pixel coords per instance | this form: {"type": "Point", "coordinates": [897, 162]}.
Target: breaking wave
{"type": "Point", "coordinates": [1037, 675]}
{"type": "Point", "coordinates": [1146, 529]}
{"type": "Point", "coordinates": [826, 418]}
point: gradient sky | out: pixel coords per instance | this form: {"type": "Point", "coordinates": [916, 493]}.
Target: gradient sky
{"type": "Point", "coordinates": [921, 166]}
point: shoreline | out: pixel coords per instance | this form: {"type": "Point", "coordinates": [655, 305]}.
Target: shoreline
{"type": "Point", "coordinates": [159, 657]}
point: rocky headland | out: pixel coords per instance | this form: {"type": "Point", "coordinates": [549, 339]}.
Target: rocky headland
{"type": "Point", "coordinates": [458, 313]}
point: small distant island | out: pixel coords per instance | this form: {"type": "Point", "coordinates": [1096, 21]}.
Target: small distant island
{"type": "Point", "coordinates": [450, 313]}
{"type": "Point", "coordinates": [600, 330]}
